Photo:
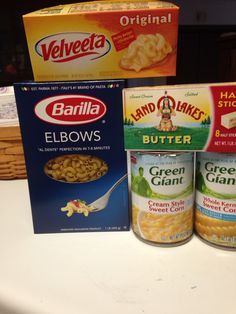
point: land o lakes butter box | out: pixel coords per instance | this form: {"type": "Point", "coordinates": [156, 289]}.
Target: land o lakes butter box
{"type": "Point", "coordinates": [200, 117]}
{"type": "Point", "coordinates": [103, 40]}
{"type": "Point", "coordinates": [76, 164]}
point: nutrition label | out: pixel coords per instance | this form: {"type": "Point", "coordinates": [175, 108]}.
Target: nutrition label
{"type": "Point", "coordinates": [111, 6]}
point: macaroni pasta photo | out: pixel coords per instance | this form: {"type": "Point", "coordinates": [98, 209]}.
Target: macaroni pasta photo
{"type": "Point", "coordinates": [76, 168]}
{"type": "Point", "coordinates": [77, 206]}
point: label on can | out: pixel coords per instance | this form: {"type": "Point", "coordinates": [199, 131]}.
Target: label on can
{"type": "Point", "coordinates": [216, 198]}
{"type": "Point", "coordinates": [162, 196]}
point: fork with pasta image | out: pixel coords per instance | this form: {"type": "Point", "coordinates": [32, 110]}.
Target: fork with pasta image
{"type": "Point", "coordinates": [81, 207]}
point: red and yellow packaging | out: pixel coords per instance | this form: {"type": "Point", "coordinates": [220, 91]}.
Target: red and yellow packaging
{"type": "Point", "coordinates": [192, 117]}
{"type": "Point", "coordinates": [101, 39]}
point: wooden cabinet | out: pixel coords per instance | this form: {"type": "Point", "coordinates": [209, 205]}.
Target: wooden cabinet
{"type": "Point", "coordinates": [206, 54]}
{"type": "Point", "coordinates": [227, 56]}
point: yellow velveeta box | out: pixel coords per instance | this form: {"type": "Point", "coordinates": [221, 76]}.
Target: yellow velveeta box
{"type": "Point", "coordinates": [101, 39]}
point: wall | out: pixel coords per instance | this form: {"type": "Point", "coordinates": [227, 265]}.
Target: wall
{"type": "Point", "coordinates": [207, 12]}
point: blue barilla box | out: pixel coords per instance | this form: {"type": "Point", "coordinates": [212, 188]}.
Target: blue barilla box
{"type": "Point", "coordinates": [76, 164]}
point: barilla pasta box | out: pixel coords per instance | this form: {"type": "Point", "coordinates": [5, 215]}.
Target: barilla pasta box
{"type": "Point", "coordinates": [200, 117]}
{"type": "Point", "coordinates": [76, 164]}
{"type": "Point", "coordinates": [103, 40]}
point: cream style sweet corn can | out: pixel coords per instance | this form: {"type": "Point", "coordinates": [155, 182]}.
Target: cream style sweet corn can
{"type": "Point", "coordinates": [103, 40]}
{"type": "Point", "coordinates": [76, 164]}
{"type": "Point", "coordinates": [162, 196]}
{"type": "Point", "coordinates": [215, 219]}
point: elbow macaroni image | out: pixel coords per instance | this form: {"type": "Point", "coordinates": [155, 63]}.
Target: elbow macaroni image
{"type": "Point", "coordinates": [76, 168]}
{"type": "Point", "coordinates": [146, 51]}
{"type": "Point", "coordinates": [77, 206]}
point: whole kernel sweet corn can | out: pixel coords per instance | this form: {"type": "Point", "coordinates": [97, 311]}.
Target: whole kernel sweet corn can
{"type": "Point", "coordinates": [162, 196]}
{"type": "Point", "coordinates": [216, 198]}
{"type": "Point", "coordinates": [103, 40]}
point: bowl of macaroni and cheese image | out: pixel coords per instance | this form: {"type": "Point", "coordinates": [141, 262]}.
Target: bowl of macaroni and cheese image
{"type": "Point", "coordinates": [75, 168]}
{"type": "Point", "coordinates": [146, 51]}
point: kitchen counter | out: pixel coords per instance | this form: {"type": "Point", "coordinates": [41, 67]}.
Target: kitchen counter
{"type": "Point", "coordinates": [107, 272]}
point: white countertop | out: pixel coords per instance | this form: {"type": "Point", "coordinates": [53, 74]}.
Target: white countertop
{"type": "Point", "coordinates": [107, 273]}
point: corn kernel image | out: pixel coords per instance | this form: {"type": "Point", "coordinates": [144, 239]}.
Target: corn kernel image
{"type": "Point", "coordinates": [214, 230]}
{"type": "Point", "coordinates": [165, 228]}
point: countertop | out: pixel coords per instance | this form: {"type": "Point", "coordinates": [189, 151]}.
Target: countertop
{"type": "Point", "coordinates": [105, 272]}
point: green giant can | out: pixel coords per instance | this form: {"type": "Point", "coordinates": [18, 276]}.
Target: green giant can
{"type": "Point", "coordinates": [162, 196]}
{"type": "Point", "coordinates": [215, 215]}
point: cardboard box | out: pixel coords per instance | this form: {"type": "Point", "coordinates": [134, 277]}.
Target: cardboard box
{"type": "Point", "coordinates": [103, 40]}
{"type": "Point", "coordinates": [194, 117]}
{"type": "Point", "coordinates": [8, 111]}
{"type": "Point", "coordinates": [73, 142]}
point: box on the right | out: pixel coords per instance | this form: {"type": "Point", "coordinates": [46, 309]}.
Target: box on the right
{"type": "Point", "coordinates": [198, 117]}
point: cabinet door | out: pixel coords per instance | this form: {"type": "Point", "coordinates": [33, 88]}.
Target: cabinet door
{"type": "Point", "coordinates": [227, 57]}
{"type": "Point", "coordinates": [203, 57]}
{"type": "Point", "coordinates": [187, 57]}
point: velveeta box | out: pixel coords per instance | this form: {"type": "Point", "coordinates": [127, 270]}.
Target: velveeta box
{"type": "Point", "coordinates": [200, 117]}
{"type": "Point", "coordinates": [76, 167]}
{"type": "Point", "coordinates": [103, 40]}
